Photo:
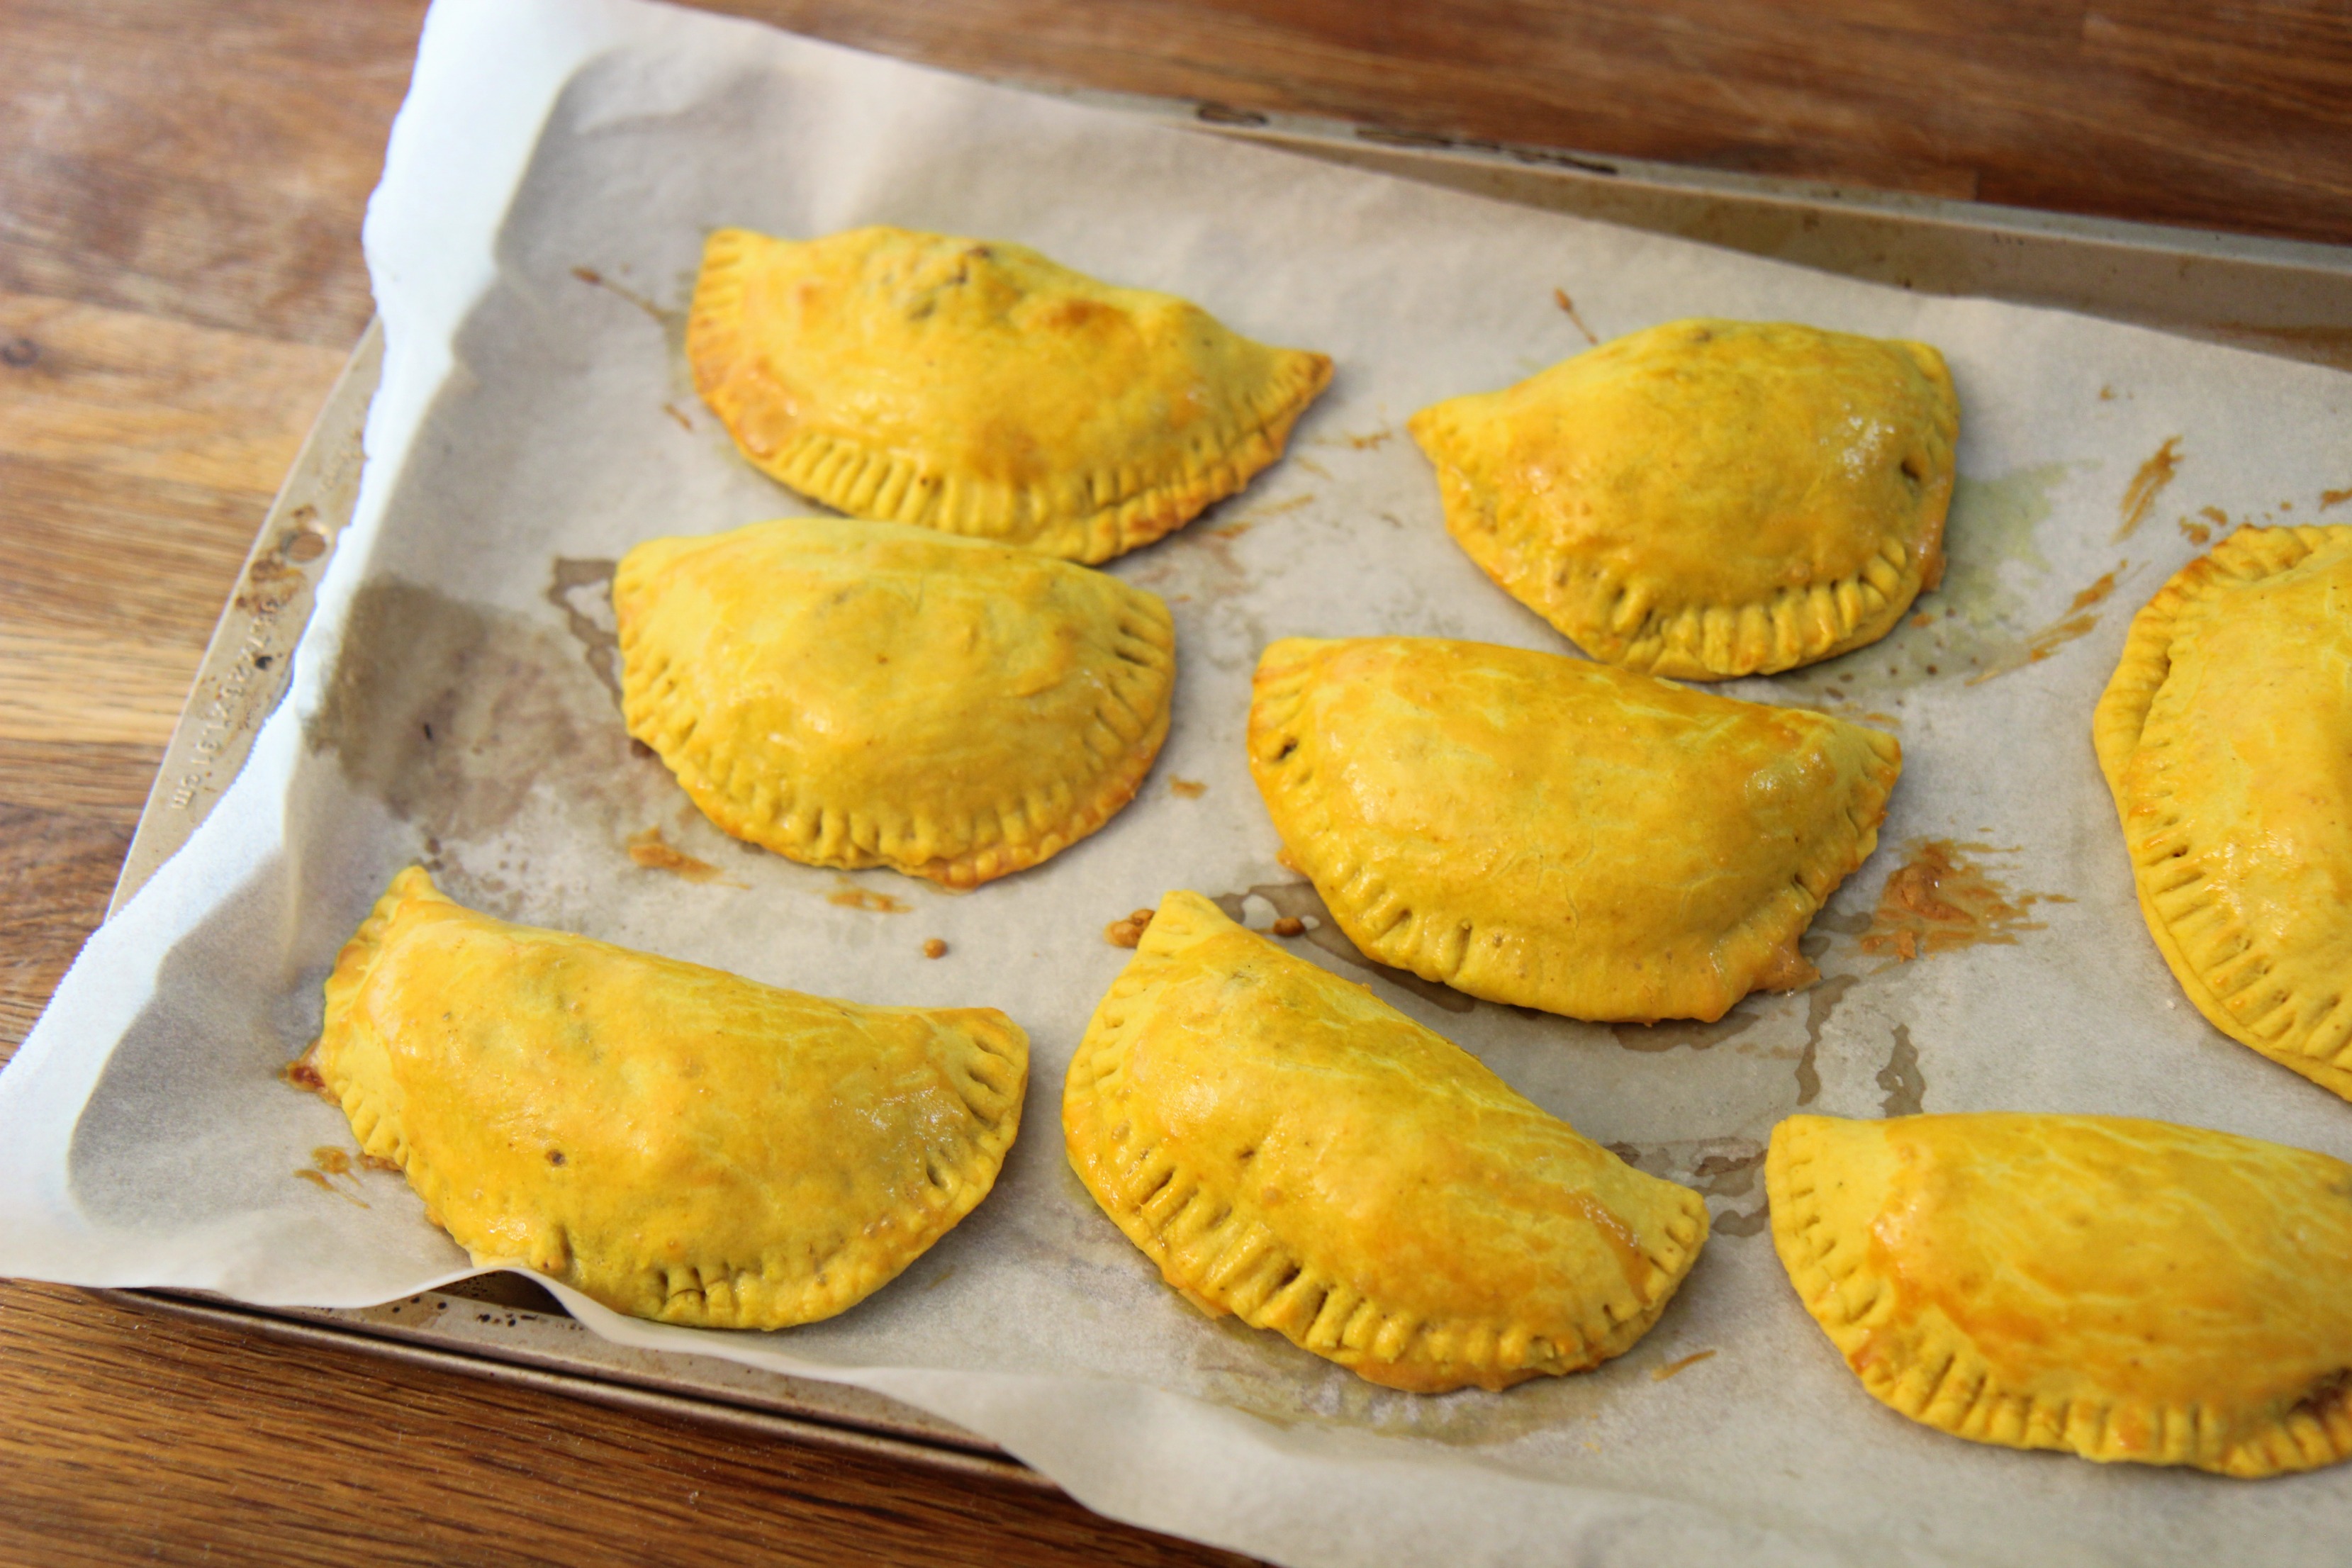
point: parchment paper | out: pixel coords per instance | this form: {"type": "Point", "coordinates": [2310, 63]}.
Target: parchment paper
{"type": "Point", "coordinates": [547, 190]}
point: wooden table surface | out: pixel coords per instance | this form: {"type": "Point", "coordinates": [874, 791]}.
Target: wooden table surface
{"type": "Point", "coordinates": [181, 187]}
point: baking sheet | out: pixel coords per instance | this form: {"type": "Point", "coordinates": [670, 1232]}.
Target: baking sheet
{"type": "Point", "coordinates": [543, 204]}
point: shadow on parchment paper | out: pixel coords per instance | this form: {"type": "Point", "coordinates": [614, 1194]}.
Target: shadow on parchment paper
{"type": "Point", "coordinates": [459, 716]}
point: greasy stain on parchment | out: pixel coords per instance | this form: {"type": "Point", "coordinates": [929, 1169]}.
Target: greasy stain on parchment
{"type": "Point", "coordinates": [328, 1162]}
{"type": "Point", "coordinates": [581, 591]}
{"type": "Point", "coordinates": [848, 895]}
{"type": "Point", "coordinates": [1975, 618]}
{"type": "Point", "coordinates": [1567, 306]}
{"type": "Point", "coordinates": [1207, 585]}
{"type": "Point", "coordinates": [2140, 495]}
{"type": "Point", "coordinates": [2081, 617]}
{"type": "Point", "coordinates": [672, 322]}
{"type": "Point", "coordinates": [1938, 900]}
{"type": "Point", "coordinates": [1906, 1085]}
{"type": "Point", "coordinates": [654, 853]}
{"type": "Point", "coordinates": [455, 715]}
{"type": "Point", "coordinates": [1687, 1034]}
{"type": "Point", "coordinates": [1726, 1168]}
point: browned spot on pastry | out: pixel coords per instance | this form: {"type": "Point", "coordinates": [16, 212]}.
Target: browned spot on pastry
{"type": "Point", "coordinates": [850, 896]}
{"type": "Point", "coordinates": [651, 851]}
{"type": "Point", "coordinates": [935, 948]}
{"type": "Point", "coordinates": [1129, 930]}
{"type": "Point", "coordinates": [1190, 789]}
{"type": "Point", "coordinates": [1660, 1374]}
{"type": "Point", "coordinates": [2139, 496]}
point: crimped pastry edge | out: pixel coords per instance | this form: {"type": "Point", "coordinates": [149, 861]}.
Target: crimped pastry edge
{"type": "Point", "coordinates": [2168, 875]}
{"type": "Point", "coordinates": [1437, 945]}
{"type": "Point", "coordinates": [1226, 1264]}
{"type": "Point", "coordinates": [1120, 510]}
{"type": "Point", "coordinates": [1958, 1396]}
{"type": "Point", "coordinates": [1636, 622]}
{"type": "Point", "coordinates": [997, 838]}
{"type": "Point", "coordinates": [697, 1295]}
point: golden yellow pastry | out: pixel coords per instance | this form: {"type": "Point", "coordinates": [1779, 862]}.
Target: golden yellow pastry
{"type": "Point", "coordinates": [2226, 737]}
{"type": "Point", "coordinates": [1290, 1150]}
{"type": "Point", "coordinates": [1708, 498]}
{"type": "Point", "coordinates": [979, 388]}
{"type": "Point", "coordinates": [1540, 830]}
{"type": "Point", "coordinates": [674, 1142]}
{"type": "Point", "coordinates": [859, 694]}
{"type": "Point", "coordinates": [2117, 1289]}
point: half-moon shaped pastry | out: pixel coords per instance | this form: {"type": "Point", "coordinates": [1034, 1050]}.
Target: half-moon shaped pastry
{"type": "Point", "coordinates": [2226, 737]}
{"type": "Point", "coordinates": [1708, 498]}
{"type": "Point", "coordinates": [2117, 1289]}
{"type": "Point", "coordinates": [1540, 830]}
{"type": "Point", "coordinates": [674, 1142]}
{"type": "Point", "coordinates": [859, 694]}
{"type": "Point", "coordinates": [979, 388]}
{"type": "Point", "coordinates": [1288, 1149]}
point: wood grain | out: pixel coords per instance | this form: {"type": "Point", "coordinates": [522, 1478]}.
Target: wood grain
{"type": "Point", "coordinates": [180, 275]}
{"type": "Point", "coordinates": [2221, 117]}
{"type": "Point", "coordinates": [235, 1449]}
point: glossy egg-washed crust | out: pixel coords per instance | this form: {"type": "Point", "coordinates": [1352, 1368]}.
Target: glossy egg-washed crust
{"type": "Point", "coordinates": [1708, 498]}
{"type": "Point", "coordinates": [978, 388]}
{"type": "Point", "coordinates": [2113, 1287]}
{"type": "Point", "coordinates": [2226, 738]}
{"type": "Point", "coordinates": [1288, 1149]}
{"type": "Point", "coordinates": [674, 1142]}
{"type": "Point", "coordinates": [1552, 833]}
{"type": "Point", "coordinates": [857, 694]}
